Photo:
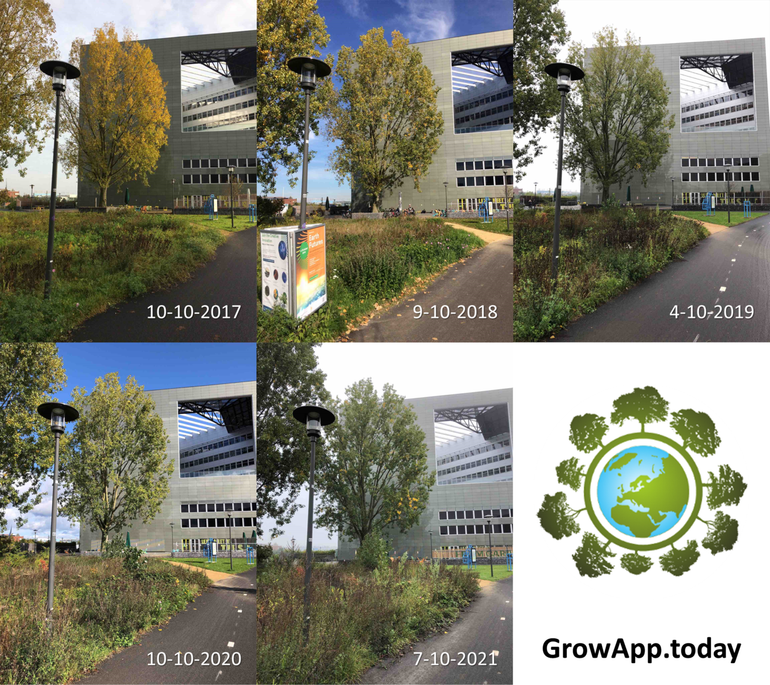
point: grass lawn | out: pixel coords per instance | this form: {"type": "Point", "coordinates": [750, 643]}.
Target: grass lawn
{"type": "Point", "coordinates": [720, 218]}
{"type": "Point", "coordinates": [483, 572]}
{"type": "Point", "coordinates": [497, 226]}
{"type": "Point", "coordinates": [369, 264]}
{"type": "Point", "coordinates": [222, 564]}
{"type": "Point", "coordinates": [223, 222]}
{"type": "Point", "coordinates": [99, 260]}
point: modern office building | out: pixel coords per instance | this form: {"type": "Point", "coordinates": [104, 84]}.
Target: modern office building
{"type": "Point", "coordinates": [719, 97]}
{"type": "Point", "coordinates": [475, 77]}
{"type": "Point", "coordinates": [211, 96]}
{"type": "Point", "coordinates": [469, 446]}
{"type": "Point", "coordinates": [211, 445]}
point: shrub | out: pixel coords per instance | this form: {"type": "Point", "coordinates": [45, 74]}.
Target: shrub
{"type": "Point", "coordinates": [373, 552]}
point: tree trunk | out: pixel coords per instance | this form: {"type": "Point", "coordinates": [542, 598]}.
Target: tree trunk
{"type": "Point", "coordinates": [374, 205]}
{"type": "Point", "coordinates": [103, 196]}
{"type": "Point", "coordinates": [104, 540]}
{"type": "Point", "coordinates": [605, 193]}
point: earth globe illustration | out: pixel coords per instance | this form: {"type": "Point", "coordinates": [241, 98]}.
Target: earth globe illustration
{"type": "Point", "coordinates": [643, 491]}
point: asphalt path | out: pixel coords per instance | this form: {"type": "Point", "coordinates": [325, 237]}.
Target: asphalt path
{"type": "Point", "coordinates": [724, 272]}
{"type": "Point", "coordinates": [228, 279]}
{"type": "Point", "coordinates": [223, 619]}
{"type": "Point", "coordinates": [485, 279]}
{"type": "Point", "coordinates": [485, 626]}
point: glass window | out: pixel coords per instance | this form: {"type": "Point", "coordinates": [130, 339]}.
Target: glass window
{"type": "Point", "coordinates": [479, 165]}
{"type": "Point", "coordinates": [479, 180]}
{"type": "Point", "coordinates": [220, 506]}
{"type": "Point", "coordinates": [442, 515]}
{"type": "Point", "coordinates": [209, 507]}
{"type": "Point", "coordinates": [702, 161]}
{"type": "Point", "coordinates": [443, 530]}
{"type": "Point", "coordinates": [487, 528]}
{"type": "Point", "coordinates": [711, 176]}
{"type": "Point", "coordinates": [489, 180]}
{"type": "Point", "coordinates": [710, 161]}
{"type": "Point", "coordinates": [201, 523]}
{"type": "Point", "coordinates": [498, 528]}
{"type": "Point", "coordinates": [196, 178]}
{"type": "Point", "coordinates": [720, 176]}
{"type": "Point", "coordinates": [193, 523]}
{"type": "Point", "coordinates": [185, 508]}
{"type": "Point", "coordinates": [451, 515]}
{"type": "Point", "coordinates": [460, 514]}
{"type": "Point", "coordinates": [477, 513]}
{"type": "Point", "coordinates": [685, 177]}
{"type": "Point", "coordinates": [745, 161]}
{"type": "Point", "coordinates": [211, 523]}
{"type": "Point", "coordinates": [194, 508]}
{"type": "Point", "coordinates": [469, 513]}
{"type": "Point", "coordinates": [204, 164]}
{"type": "Point", "coordinates": [505, 513]}
{"type": "Point", "coordinates": [487, 164]}
{"type": "Point", "coordinates": [720, 161]}
{"type": "Point", "coordinates": [228, 506]}
{"type": "Point", "coordinates": [453, 530]}
{"type": "Point", "coordinates": [187, 179]}
{"type": "Point", "coordinates": [685, 161]}
{"type": "Point", "coordinates": [499, 181]}
{"type": "Point", "coordinates": [238, 522]}
{"type": "Point", "coordinates": [460, 182]}
{"type": "Point", "coordinates": [186, 164]}
{"type": "Point", "coordinates": [220, 523]}
{"type": "Point", "coordinates": [746, 175]}
{"type": "Point", "coordinates": [460, 166]}
{"type": "Point", "coordinates": [196, 164]}
{"type": "Point", "coordinates": [205, 178]}
{"type": "Point", "coordinates": [185, 523]}
{"type": "Point", "coordinates": [487, 513]}
{"type": "Point", "coordinates": [461, 530]}
{"type": "Point", "coordinates": [470, 181]}
{"type": "Point", "coordinates": [736, 160]}
{"type": "Point", "coordinates": [213, 163]}
{"type": "Point", "coordinates": [237, 506]}
{"type": "Point", "coordinates": [496, 513]}
{"type": "Point", "coordinates": [232, 161]}
{"type": "Point", "coordinates": [754, 175]}
{"type": "Point", "coordinates": [506, 528]}
{"type": "Point", "coordinates": [702, 176]}
{"type": "Point", "coordinates": [241, 161]}
{"type": "Point", "coordinates": [479, 529]}
{"type": "Point", "coordinates": [755, 161]}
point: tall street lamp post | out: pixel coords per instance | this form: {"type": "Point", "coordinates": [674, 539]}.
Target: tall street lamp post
{"type": "Point", "coordinates": [59, 415]}
{"type": "Point", "coordinates": [564, 74]}
{"type": "Point", "coordinates": [672, 193]}
{"type": "Point", "coordinates": [59, 72]}
{"type": "Point", "coordinates": [431, 547]}
{"type": "Point", "coordinates": [308, 69]}
{"type": "Point", "coordinates": [31, 196]}
{"type": "Point", "coordinates": [230, 528]}
{"type": "Point", "coordinates": [491, 569]}
{"type": "Point", "coordinates": [446, 199]}
{"type": "Point", "coordinates": [535, 192]}
{"type": "Point", "coordinates": [173, 190]}
{"type": "Point", "coordinates": [727, 176]}
{"type": "Point", "coordinates": [172, 539]}
{"type": "Point", "coordinates": [231, 171]}
{"type": "Point", "coordinates": [313, 418]}
{"type": "Point", "coordinates": [507, 203]}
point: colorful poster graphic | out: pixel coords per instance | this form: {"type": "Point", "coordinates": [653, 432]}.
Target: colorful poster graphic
{"type": "Point", "coordinates": [310, 251]}
{"type": "Point", "coordinates": [275, 290]}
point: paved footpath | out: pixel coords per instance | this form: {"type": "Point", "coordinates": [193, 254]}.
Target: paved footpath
{"type": "Point", "coordinates": [485, 278]}
{"type": "Point", "coordinates": [222, 619]}
{"type": "Point", "coordinates": [486, 625]}
{"type": "Point", "coordinates": [228, 279]}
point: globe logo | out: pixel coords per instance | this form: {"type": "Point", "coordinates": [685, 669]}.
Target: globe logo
{"type": "Point", "coordinates": [282, 249]}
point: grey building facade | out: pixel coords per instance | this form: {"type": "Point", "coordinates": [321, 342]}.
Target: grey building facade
{"type": "Point", "coordinates": [195, 494]}
{"type": "Point", "coordinates": [483, 154]}
{"type": "Point", "coordinates": [490, 496]}
{"type": "Point", "coordinates": [719, 125]}
{"type": "Point", "coordinates": [182, 158]}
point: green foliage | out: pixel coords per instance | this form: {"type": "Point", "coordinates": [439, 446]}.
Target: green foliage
{"type": "Point", "coordinates": [556, 516]}
{"type": "Point", "coordinates": [264, 553]}
{"type": "Point", "coordinates": [722, 535]}
{"type": "Point", "coordinates": [727, 489]}
{"type": "Point", "coordinates": [373, 552]}
{"type": "Point", "coordinates": [679, 561]}
{"type": "Point", "coordinates": [384, 115]}
{"type": "Point", "coordinates": [539, 31]}
{"type": "Point", "coordinates": [29, 376]}
{"type": "Point", "coordinates": [591, 557]}
{"type": "Point", "coordinates": [267, 208]}
{"type": "Point", "coordinates": [643, 404]}
{"type": "Point", "coordinates": [543, 312]}
{"type": "Point", "coordinates": [697, 431]}
{"type": "Point", "coordinates": [287, 377]}
{"type": "Point", "coordinates": [570, 473]}
{"type": "Point", "coordinates": [636, 563]}
{"type": "Point", "coordinates": [114, 469]}
{"type": "Point", "coordinates": [587, 431]}
{"type": "Point", "coordinates": [616, 122]}
{"type": "Point", "coordinates": [378, 473]}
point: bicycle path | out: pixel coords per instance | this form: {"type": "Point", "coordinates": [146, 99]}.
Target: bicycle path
{"type": "Point", "coordinates": [485, 279]}
{"type": "Point", "coordinates": [485, 626]}
{"type": "Point", "coordinates": [230, 278]}
{"type": "Point", "coordinates": [222, 620]}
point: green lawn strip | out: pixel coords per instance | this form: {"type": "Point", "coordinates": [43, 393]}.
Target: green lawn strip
{"type": "Point", "coordinates": [99, 260]}
{"type": "Point", "coordinates": [370, 264]}
{"type": "Point", "coordinates": [720, 218]}
{"type": "Point", "coordinates": [99, 607]}
{"type": "Point", "coordinates": [222, 564]}
{"type": "Point", "coordinates": [602, 254]}
{"type": "Point", "coordinates": [241, 221]}
{"type": "Point", "coordinates": [497, 226]}
{"type": "Point", "coordinates": [484, 572]}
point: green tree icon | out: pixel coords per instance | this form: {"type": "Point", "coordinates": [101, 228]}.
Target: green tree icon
{"type": "Point", "coordinates": [678, 561]}
{"type": "Point", "coordinates": [587, 431]}
{"type": "Point", "coordinates": [570, 473]}
{"type": "Point", "coordinates": [723, 533]}
{"type": "Point", "coordinates": [556, 516]}
{"type": "Point", "coordinates": [643, 404]}
{"type": "Point", "coordinates": [591, 557]}
{"type": "Point", "coordinates": [636, 563]}
{"type": "Point", "coordinates": [727, 489]}
{"type": "Point", "coordinates": [697, 431]}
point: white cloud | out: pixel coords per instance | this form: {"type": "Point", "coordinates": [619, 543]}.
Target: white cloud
{"type": "Point", "coordinates": [355, 8]}
{"type": "Point", "coordinates": [40, 518]}
{"type": "Point", "coordinates": [427, 19]}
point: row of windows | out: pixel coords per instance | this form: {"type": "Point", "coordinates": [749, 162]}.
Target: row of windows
{"type": "Point", "coordinates": [478, 474]}
{"type": "Point", "coordinates": [218, 506]}
{"type": "Point", "coordinates": [488, 126]}
{"type": "Point", "coordinates": [483, 101]}
{"type": "Point", "coordinates": [237, 119]}
{"type": "Point", "coordinates": [719, 100]}
{"type": "Point", "coordinates": [216, 445]}
{"type": "Point", "coordinates": [219, 110]}
{"type": "Point", "coordinates": [484, 164]}
{"type": "Point", "coordinates": [724, 122]}
{"type": "Point", "coordinates": [720, 176]}
{"type": "Point", "coordinates": [217, 178]}
{"type": "Point", "coordinates": [461, 514]}
{"type": "Point", "coordinates": [465, 181]}
{"type": "Point", "coordinates": [474, 464]}
{"type": "Point", "coordinates": [219, 523]}
{"type": "Point", "coordinates": [218, 457]}
{"type": "Point", "coordinates": [471, 204]}
{"type": "Point", "coordinates": [475, 530]}
{"type": "Point", "coordinates": [486, 113]}
{"type": "Point", "coordinates": [224, 467]}
{"type": "Point", "coordinates": [218, 98]}
{"type": "Point", "coordinates": [219, 163]}
{"type": "Point", "coordinates": [472, 452]}
{"type": "Point", "coordinates": [720, 161]}
{"type": "Point", "coordinates": [718, 112]}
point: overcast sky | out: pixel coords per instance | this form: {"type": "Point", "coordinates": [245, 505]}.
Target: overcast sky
{"type": "Point", "coordinates": [415, 370]}
{"type": "Point", "coordinates": [147, 19]}
{"type": "Point", "coordinates": [653, 21]}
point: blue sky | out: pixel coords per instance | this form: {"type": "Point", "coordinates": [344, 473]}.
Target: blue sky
{"type": "Point", "coordinates": [155, 366]}
{"type": "Point", "coordinates": [418, 20]}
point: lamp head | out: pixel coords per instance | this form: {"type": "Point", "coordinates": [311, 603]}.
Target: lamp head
{"type": "Point", "coordinates": [309, 70]}
{"type": "Point", "coordinates": [564, 74]}
{"type": "Point", "coordinates": [58, 414]}
{"type": "Point", "coordinates": [313, 418]}
{"type": "Point", "coordinates": [59, 72]}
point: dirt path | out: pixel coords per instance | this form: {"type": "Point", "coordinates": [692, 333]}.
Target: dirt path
{"type": "Point", "coordinates": [486, 236]}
